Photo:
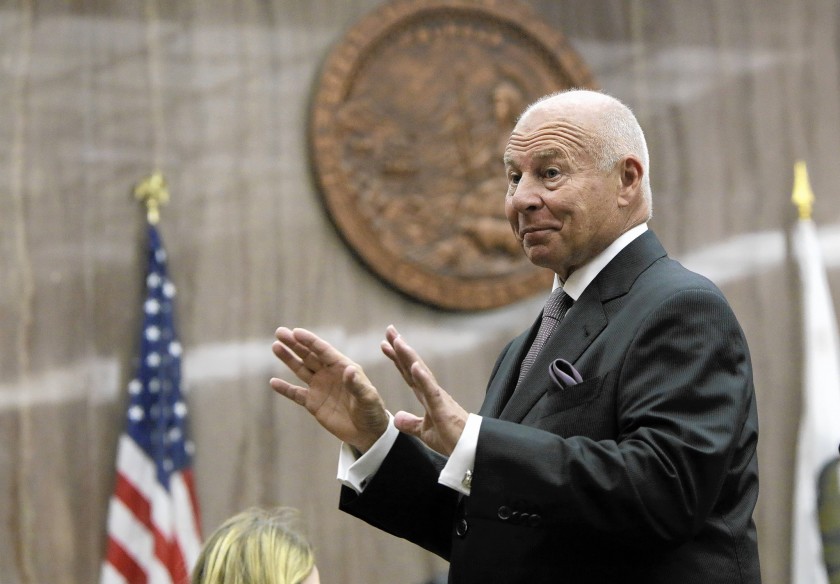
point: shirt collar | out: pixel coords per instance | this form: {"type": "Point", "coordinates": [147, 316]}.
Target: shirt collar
{"type": "Point", "coordinates": [583, 276]}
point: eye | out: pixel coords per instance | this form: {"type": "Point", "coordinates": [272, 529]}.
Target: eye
{"type": "Point", "coordinates": [514, 177]}
{"type": "Point", "coordinates": [552, 173]}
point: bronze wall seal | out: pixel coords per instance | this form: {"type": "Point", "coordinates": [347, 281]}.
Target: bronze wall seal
{"type": "Point", "coordinates": [410, 116]}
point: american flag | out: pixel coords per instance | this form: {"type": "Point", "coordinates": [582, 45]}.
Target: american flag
{"type": "Point", "coordinates": [154, 526]}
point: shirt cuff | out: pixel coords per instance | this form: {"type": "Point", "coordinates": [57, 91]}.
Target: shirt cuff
{"type": "Point", "coordinates": [355, 471]}
{"type": "Point", "coordinates": [457, 474]}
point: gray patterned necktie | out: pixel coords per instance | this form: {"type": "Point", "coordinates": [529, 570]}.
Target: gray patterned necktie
{"type": "Point", "coordinates": [555, 309]}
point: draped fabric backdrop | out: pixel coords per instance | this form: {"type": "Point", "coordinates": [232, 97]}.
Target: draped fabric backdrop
{"type": "Point", "coordinates": [98, 94]}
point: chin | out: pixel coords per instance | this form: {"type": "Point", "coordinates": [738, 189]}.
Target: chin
{"type": "Point", "coordinates": [539, 258]}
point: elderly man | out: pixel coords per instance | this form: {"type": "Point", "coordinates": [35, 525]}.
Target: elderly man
{"type": "Point", "coordinates": [617, 439]}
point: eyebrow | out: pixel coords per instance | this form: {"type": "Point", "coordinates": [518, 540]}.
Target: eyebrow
{"type": "Point", "coordinates": [547, 153]}
{"type": "Point", "coordinates": [539, 154]}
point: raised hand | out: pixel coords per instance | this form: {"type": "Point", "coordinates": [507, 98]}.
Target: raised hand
{"type": "Point", "coordinates": [445, 419]}
{"type": "Point", "coordinates": [337, 393]}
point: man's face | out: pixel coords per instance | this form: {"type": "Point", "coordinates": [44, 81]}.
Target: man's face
{"type": "Point", "coordinates": [562, 209]}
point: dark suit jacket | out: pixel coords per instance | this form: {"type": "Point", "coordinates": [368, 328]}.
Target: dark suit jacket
{"type": "Point", "coordinates": [644, 472]}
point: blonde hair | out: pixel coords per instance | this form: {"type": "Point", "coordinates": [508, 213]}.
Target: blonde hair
{"type": "Point", "coordinates": [257, 546]}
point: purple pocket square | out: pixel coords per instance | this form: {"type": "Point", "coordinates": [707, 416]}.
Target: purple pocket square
{"type": "Point", "coordinates": [563, 373]}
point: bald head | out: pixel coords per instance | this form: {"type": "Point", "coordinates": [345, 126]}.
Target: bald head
{"type": "Point", "coordinates": [611, 128]}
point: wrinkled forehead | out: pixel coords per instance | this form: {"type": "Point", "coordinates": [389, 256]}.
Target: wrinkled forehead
{"type": "Point", "coordinates": [540, 138]}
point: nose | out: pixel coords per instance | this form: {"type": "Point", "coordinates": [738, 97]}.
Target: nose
{"type": "Point", "coordinates": [527, 197]}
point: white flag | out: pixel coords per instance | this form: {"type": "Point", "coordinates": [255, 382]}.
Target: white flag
{"type": "Point", "coordinates": [819, 429]}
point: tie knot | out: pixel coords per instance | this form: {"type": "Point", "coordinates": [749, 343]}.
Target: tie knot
{"type": "Point", "coordinates": [557, 304]}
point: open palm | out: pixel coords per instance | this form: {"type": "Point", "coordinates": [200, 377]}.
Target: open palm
{"type": "Point", "coordinates": [338, 393]}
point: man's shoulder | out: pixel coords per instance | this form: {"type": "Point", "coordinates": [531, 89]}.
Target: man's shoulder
{"type": "Point", "coordinates": [668, 276]}
{"type": "Point", "coordinates": [644, 266]}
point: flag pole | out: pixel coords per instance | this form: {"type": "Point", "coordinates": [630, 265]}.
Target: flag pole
{"type": "Point", "coordinates": [154, 524]}
{"type": "Point", "coordinates": [803, 196]}
{"type": "Point", "coordinates": [154, 193]}
{"type": "Point", "coordinates": [813, 559]}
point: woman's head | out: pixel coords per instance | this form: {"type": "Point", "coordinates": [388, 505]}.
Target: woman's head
{"type": "Point", "coordinates": [257, 546]}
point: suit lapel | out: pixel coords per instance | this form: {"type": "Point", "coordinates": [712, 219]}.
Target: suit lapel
{"type": "Point", "coordinates": [582, 324]}
{"type": "Point", "coordinates": [503, 382]}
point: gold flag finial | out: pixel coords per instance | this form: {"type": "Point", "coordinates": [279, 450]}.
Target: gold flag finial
{"type": "Point", "coordinates": [803, 196]}
{"type": "Point", "coordinates": [153, 192]}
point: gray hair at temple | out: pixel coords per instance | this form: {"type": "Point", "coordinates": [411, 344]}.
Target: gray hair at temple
{"type": "Point", "coordinates": [615, 132]}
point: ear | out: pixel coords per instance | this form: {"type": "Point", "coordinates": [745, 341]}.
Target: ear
{"type": "Point", "coordinates": [630, 172]}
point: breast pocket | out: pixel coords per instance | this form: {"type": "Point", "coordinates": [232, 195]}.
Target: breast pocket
{"type": "Point", "coordinates": [584, 409]}
{"type": "Point", "coordinates": [559, 399]}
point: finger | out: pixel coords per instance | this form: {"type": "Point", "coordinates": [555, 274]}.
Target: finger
{"type": "Point", "coordinates": [283, 334]}
{"type": "Point", "coordinates": [402, 358]}
{"type": "Point", "coordinates": [287, 337]}
{"type": "Point", "coordinates": [404, 352]}
{"type": "Point", "coordinates": [425, 381]}
{"type": "Point", "coordinates": [391, 333]}
{"type": "Point", "coordinates": [425, 387]}
{"type": "Point", "coordinates": [292, 339]}
{"type": "Point", "coordinates": [292, 361]}
{"type": "Point", "coordinates": [389, 352]}
{"type": "Point", "coordinates": [302, 349]}
{"type": "Point", "coordinates": [407, 357]}
{"type": "Point", "coordinates": [387, 345]}
{"type": "Point", "coordinates": [293, 392]}
{"type": "Point", "coordinates": [408, 423]}
{"type": "Point", "coordinates": [316, 352]}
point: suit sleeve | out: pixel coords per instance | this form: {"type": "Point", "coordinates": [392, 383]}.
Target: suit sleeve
{"type": "Point", "coordinates": [405, 499]}
{"type": "Point", "coordinates": [680, 400]}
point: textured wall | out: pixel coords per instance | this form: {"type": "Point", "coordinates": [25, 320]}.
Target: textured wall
{"type": "Point", "coordinates": [96, 95]}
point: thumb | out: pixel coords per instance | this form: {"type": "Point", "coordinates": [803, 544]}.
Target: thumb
{"type": "Point", "coordinates": [408, 423]}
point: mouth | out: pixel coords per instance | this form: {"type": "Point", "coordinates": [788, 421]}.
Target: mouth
{"type": "Point", "coordinates": [532, 229]}
{"type": "Point", "coordinates": [536, 231]}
